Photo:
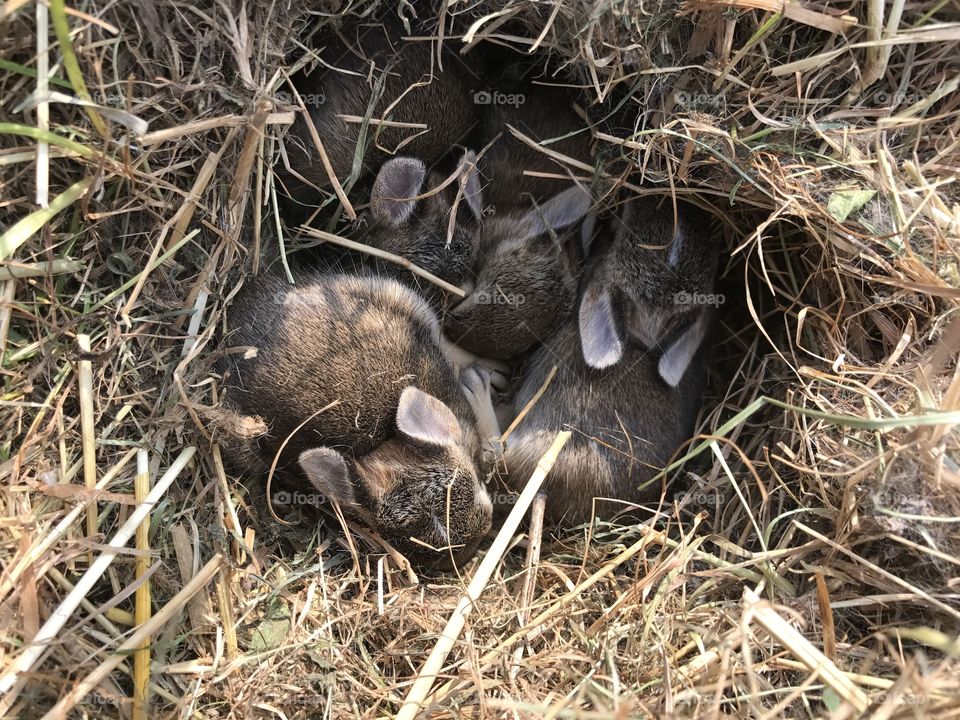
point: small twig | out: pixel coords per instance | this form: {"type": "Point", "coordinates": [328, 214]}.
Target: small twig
{"type": "Point", "coordinates": [39, 269]}
{"type": "Point", "coordinates": [7, 296]}
{"type": "Point", "coordinates": [88, 434]}
{"type": "Point", "coordinates": [142, 634]}
{"type": "Point", "coordinates": [535, 539]}
{"type": "Point", "coordinates": [486, 661]}
{"type": "Point", "coordinates": [12, 576]}
{"type": "Point", "coordinates": [324, 158]}
{"type": "Point", "coordinates": [142, 603]}
{"type": "Point", "coordinates": [383, 255]}
{"type": "Point", "coordinates": [760, 611]}
{"type": "Point", "coordinates": [529, 406]}
{"type": "Point", "coordinates": [43, 107]}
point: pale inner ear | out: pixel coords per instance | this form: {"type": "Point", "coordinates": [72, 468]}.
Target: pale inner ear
{"type": "Point", "coordinates": [424, 418]}
{"type": "Point", "coordinates": [599, 336]}
{"type": "Point", "coordinates": [677, 358]}
{"type": "Point", "coordinates": [472, 191]}
{"type": "Point", "coordinates": [559, 212]}
{"type": "Point", "coordinates": [394, 193]}
{"type": "Point", "coordinates": [327, 470]}
{"type": "Point", "coordinates": [587, 233]}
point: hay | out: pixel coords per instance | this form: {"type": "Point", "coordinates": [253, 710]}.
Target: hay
{"type": "Point", "coordinates": [811, 566]}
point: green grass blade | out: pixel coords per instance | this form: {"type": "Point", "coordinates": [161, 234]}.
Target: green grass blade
{"type": "Point", "coordinates": [31, 73]}
{"type": "Point", "coordinates": [950, 417]}
{"type": "Point", "coordinates": [46, 136]}
{"type": "Point", "coordinates": [58, 13]}
{"type": "Point", "coordinates": [24, 230]}
{"type": "Point", "coordinates": [150, 268]}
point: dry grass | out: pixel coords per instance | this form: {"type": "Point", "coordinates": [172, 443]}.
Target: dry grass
{"type": "Point", "coordinates": [810, 570]}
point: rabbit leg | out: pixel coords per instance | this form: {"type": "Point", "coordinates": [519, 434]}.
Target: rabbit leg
{"type": "Point", "coordinates": [475, 381]}
{"type": "Point", "coordinates": [238, 436]}
{"type": "Point", "coordinates": [498, 371]}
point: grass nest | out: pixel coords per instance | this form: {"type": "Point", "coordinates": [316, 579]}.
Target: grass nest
{"type": "Point", "coordinates": [807, 564]}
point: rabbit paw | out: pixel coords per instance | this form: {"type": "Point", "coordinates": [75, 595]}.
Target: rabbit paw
{"type": "Point", "coordinates": [475, 381]}
{"type": "Point", "coordinates": [498, 370]}
{"type": "Point", "coordinates": [498, 374]}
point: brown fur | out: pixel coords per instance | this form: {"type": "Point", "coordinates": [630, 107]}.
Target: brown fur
{"type": "Point", "coordinates": [357, 342]}
{"type": "Point", "coordinates": [523, 287]}
{"type": "Point", "coordinates": [630, 409]}
{"type": "Point", "coordinates": [422, 239]}
{"type": "Point", "coordinates": [368, 55]}
{"type": "Point", "coordinates": [524, 290]}
{"type": "Point", "coordinates": [626, 423]}
{"type": "Point", "coordinates": [546, 114]}
{"type": "Point", "coordinates": [636, 266]}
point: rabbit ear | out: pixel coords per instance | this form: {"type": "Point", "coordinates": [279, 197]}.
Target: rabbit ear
{"type": "Point", "coordinates": [676, 358]}
{"type": "Point", "coordinates": [423, 418]}
{"type": "Point", "coordinates": [395, 190]}
{"type": "Point", "coordinates": [588, 232]}
{"type": "Point", "coordinates": [599, 336]}
{"type": "Point", "coordinates": [472, 192]}
{"type": "Point", "coordinates": [624, 223]}
{"type": "Point", "coordinates": [559, 212]}
{"type": "Point", "coordinates": [328, 472]}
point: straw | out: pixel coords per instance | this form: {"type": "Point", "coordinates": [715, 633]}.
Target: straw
{"type": "Point", "coordinates": [39, 644]}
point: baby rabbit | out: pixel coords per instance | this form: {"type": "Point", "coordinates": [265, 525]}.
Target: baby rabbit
{"type": "Point", "coordinates": [345, 375]}
{"type": "Point", "coordinates": [643, 283]}
{"type": "Point", "coordinates": [525, 274]}
{"type": "Point", "coordinates": [626, 424]}
{"type": "Point", "coordinates": [370, 72]}
{"type": "Point", "coordinates": [633, 405]}
{"type": "Point", "coordinates": [525, 284]}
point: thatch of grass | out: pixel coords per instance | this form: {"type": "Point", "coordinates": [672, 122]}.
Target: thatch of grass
{"type": "Point", "coordinates": [810, 568]}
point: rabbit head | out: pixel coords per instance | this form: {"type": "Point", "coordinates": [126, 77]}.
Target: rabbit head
{"type": "Point", "coordinates": [419, 491]}
{"type": "Point", "coordinates": [516, 171]}
{"type": "Point", "coordinates": [407, 219]}
{"type": "Point", "coordinates": [525, 282]}
{"type": "Point", "coordinates": [643, 283]}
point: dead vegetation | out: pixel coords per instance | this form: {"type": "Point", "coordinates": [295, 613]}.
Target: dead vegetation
{"type": "Point", "coordinates": [804, 561]}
